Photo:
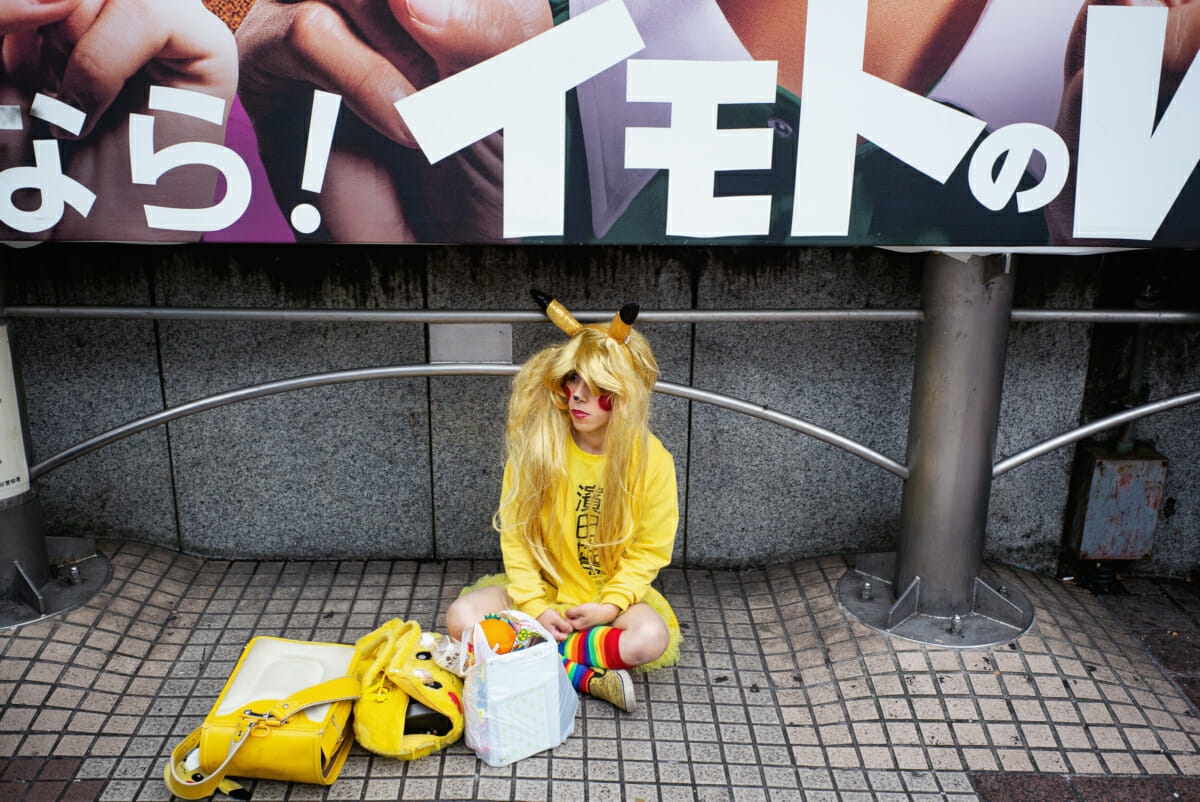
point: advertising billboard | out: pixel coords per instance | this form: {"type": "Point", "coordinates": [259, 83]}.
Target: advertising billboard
{"type": "Point", "coordinates": [990, 124]}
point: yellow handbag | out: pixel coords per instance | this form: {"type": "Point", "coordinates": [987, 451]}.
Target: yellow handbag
{"type": "Point", "coordinates": [410, 705]}
{"type": "Point", "coordinates": [284, 715]}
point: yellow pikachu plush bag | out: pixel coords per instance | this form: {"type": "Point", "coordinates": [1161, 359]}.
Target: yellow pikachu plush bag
{"type": "Point", "coordinates": [410, 706]}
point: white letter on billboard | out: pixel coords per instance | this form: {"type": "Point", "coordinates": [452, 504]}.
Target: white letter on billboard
{"type": "Point", "coordinates": [148, 165]}
{"type": "Point", "coordinates": [522, 92]}
{"type": "Point", "coordinates": [1015, 144]}
{"type": "Point", "coordinates": [1129, 171]}
{"type": "Point", "coordinates": [693, 149]}
{"type": "Point", "coordinates": [840, 102]}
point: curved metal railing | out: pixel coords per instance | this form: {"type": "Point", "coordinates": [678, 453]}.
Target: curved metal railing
{"type": "Point", "coordinates": [667, 388]}
{"type": "Point", "coordinates": [1096, 426]}
{"type": "Point", "coordinates": [455, 369]}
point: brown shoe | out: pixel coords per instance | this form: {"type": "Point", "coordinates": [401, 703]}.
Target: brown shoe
{"type": "Point", "coordinates": [613, 685]}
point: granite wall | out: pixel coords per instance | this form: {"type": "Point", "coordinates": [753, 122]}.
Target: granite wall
{"type": "Point", "coordinates": [411, 467]}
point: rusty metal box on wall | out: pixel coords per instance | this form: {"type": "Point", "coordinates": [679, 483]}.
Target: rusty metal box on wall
{"type": "Point", "coordinates": [1115, 499]}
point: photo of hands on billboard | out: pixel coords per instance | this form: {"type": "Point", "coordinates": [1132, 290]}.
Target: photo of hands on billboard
{"type": "Point", "coordinates": [992, 123]}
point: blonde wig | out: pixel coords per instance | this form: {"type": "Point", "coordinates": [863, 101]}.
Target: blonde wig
{"type": "Point", "coordinates": [614, 360]}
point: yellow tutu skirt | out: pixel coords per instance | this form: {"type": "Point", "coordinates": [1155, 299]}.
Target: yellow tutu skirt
{"type": "Point", "coordinates": [653, 598]}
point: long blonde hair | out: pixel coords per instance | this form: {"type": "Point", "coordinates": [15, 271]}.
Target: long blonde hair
{"type": "Point", "coordinates": [539, 428]}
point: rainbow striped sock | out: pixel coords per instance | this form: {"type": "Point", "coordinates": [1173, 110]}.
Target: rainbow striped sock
{"type": "Point", "coordinates": [598, 646]}
{"type": "Point", "coordinates": [580, 675]}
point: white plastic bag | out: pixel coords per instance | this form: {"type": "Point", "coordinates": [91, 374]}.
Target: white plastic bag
{"type": "Point", "coordinates": [519, 703]}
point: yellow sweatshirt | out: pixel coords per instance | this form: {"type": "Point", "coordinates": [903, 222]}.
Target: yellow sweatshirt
{"type": "Point", "coordinates": [574, 517]}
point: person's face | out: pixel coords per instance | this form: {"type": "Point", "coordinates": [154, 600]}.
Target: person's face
{"type": "Point", "coordinates": [589, 411]}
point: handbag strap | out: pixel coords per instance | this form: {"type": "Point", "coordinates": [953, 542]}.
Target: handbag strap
{"type": "Point", "coordinates": [334, 690]}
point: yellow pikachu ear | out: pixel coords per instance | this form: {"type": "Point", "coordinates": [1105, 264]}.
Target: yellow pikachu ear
{"type": "Point", "coordinates": [622, 323]}
{"type": "Point", "coordinates": [557, 313]}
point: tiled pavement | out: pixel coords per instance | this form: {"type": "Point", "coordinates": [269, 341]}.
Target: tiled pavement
{"type": "Point", "coordinates": [779, 695]}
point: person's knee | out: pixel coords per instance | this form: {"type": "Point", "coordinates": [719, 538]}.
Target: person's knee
{"type": "Point", "coordinates": [460, 617]}
{"type": "Point", "coordinates": [468, 610]}
{"type": "Point", "coordinates": [644, 645]}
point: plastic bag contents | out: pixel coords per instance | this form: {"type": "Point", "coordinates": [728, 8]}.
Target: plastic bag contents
{"type": "Point", "coordinates": [502, 633]}
{"type": "Point", "coordinates": [518, 699]}
{"type": "Point", "coordinates": [451, 654]}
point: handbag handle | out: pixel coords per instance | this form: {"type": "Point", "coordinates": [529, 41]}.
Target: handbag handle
{"type": "Point", "coordinates": [335, 690]}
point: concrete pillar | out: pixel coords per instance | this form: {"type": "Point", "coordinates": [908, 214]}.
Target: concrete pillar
{"type": "Point", "coordinates": [24, 564]}
{"type": "Point", "coordinates": [39, 576]}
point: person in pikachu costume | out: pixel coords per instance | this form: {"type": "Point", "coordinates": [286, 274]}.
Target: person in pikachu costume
{"type": "Point", "coordinates": [588, 509]}
{"type": "Point", "coordinates": [397, 673]}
